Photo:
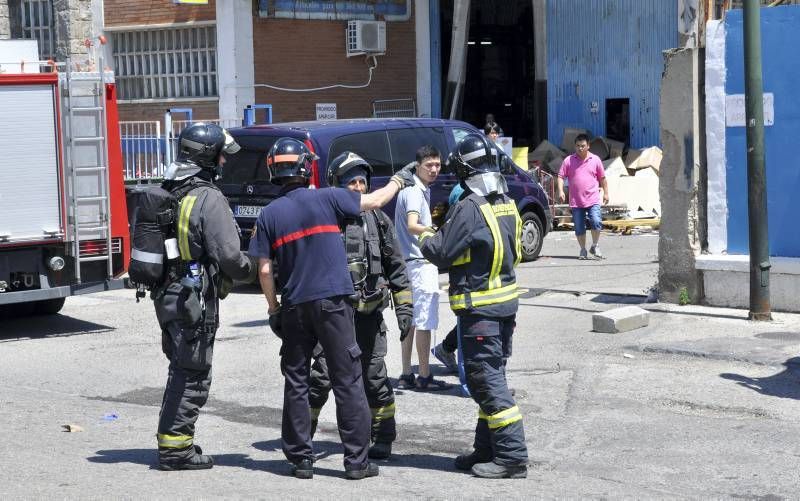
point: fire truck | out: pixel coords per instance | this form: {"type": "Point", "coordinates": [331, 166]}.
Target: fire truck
{"type": "Point", "coordinates": [63, 217]}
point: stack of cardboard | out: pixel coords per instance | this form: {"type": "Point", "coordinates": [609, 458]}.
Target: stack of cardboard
{"type": "Point", "coordinates": [635, 182]}
{"type": "Point", "coordinates": [548, 156]}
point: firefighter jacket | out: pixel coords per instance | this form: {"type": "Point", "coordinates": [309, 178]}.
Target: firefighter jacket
{"type": "Point", "coordinates": [480, 244]}
{"type": "Point", "coordinates": [376, 263]}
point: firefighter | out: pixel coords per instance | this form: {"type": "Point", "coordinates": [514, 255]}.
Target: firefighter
{"type": "Point", "coordinates": [187, 304]}
{"type": "Point", "coordinates": [480, 244]}
{"type": "Point", "coordinates": [378, 271]}
{"type": "Point", "coordinates": [301, 231]}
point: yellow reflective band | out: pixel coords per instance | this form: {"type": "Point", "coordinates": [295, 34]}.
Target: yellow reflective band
{"type": "Point", "coordinates": [504, 418]}
{"type": "Point", "coordinates": [368, 306]}
{"type": "Point", "coordinates": [402, 297]}
{"type": "Point", "coordinates": [382, 413]}
{"type": "Point", "coordinates": [183, 226]}
{"type": "Point", "coordinates": [483, 298]}
{"type": "Point", "coordinates": [425, 235]}
{"type": "Point", "coordinates": [497, 258]}
{"type": "Point", "coordinates": [174, 441]}
{"type": "Point", "coordinates": [482, 415]}
{"type": "Point", "coordinates": [464, 258]}
{"type": "Point", "coordinates": [315, 413]}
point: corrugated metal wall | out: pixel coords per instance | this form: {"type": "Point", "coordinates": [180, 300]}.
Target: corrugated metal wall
{"type": "Point", "coordinates": [606, 49]}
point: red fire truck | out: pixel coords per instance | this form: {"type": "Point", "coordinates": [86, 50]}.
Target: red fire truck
{"type": "Point", "coordinates": [63, 217]}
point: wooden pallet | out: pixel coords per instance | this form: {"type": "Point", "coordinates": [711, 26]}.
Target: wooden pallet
{"type": "Point", "coordinates": [626, 226]}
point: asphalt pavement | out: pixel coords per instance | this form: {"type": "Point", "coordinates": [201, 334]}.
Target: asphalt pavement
{"type": "Point", "coordinates": [702, 403]}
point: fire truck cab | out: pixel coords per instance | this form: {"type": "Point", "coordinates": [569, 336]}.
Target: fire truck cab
{"type": "Point", "coordinates": [63, 217]}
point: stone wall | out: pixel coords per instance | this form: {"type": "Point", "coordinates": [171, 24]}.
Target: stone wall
{"type": "Point", "coordinates": [5, 22]}
{"type": "Point", "coordinates": [73, 25]}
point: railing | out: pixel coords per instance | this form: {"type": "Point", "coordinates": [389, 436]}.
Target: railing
{"type": "Point", "coordinates": [142, 150]}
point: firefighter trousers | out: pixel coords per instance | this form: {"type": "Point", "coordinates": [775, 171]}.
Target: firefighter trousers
{"type": "Point", "coordinates": [328, 322]}
{"type": "Point", "coordinates": [189, 379]}
{"type": "Point", "coordinates": [486, 344]}
{"type": "Point", "coordinates": [371, 339]}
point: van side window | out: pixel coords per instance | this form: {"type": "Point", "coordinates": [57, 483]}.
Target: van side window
{"type": "Point", "coordinates": [371, 146]}
{"type": "Point", "coordinates": [406, 142]}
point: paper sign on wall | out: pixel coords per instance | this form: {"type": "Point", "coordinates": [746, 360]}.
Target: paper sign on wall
{"type": "Point", "coordinates": [326, 111]}
{"type": "Point", "coordinates": [506, 144]}
{"type": "Point", "coordinates": [735, 110]}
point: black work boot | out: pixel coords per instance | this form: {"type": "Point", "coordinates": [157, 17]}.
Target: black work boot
{"type": "Point", "coordinates": [304, 469]}
{"type": "Point", "coordinates": [380, 450]}
{"type": "Point", "coordinates": [191, 458]}
{"type": "Point", "coordinates": [369, 470]}
{"type": "Point", "coordinates": [467, 461]}
{"type": "Point", "coordinates": [494, 470]}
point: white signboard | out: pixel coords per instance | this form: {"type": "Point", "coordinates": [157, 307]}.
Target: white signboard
{"type": "Point", "coordinates": [505, 143]}
{"type": "Point", "coordinates": [16, 54]}
{"type": "Point", "coordinates": [735, 110]}
{"type": "Point", "coordinates": [326, 111]}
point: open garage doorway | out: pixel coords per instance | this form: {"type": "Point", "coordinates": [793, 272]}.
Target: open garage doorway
{"type": "Point", "coordinates": [500, 66]}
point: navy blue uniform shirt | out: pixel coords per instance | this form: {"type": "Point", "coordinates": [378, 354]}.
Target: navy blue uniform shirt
{"type": "Point", "coordinates": [301, 231]}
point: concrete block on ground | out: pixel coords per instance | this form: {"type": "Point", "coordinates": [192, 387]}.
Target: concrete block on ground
{"type": "Point", "coordinates": [648, 157]}
{"type": "Point", "coordinates": [615, 167]}
{"type": "Point", "coordinates": [544, 153]}
{"type": "Point", "coordinates": [622, 319]}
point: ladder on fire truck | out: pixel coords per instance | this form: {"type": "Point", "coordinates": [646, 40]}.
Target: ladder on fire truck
{"type": "Point", "coordinates": [83, 96]}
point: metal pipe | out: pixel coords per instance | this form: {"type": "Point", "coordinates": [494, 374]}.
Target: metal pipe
{"type": "Point", "coordinates": [760, 308]}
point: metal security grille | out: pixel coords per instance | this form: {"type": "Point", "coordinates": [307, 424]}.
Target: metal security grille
{"type": "Point", "coordinates": [36, 20]}
{"type": "Point", "coordinates": [394, 108]}
{"type": "Point", "coordinates": [166, 63]}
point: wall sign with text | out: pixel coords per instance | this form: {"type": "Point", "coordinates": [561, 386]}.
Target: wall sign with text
{"type": "Point", "coordinates": [386, 10]}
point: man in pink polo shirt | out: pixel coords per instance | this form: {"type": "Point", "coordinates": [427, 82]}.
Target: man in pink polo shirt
{"type": "Point", "coordinates": [584, 172]}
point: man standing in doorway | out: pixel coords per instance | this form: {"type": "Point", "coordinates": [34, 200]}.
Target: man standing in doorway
{"type": "Point", "coordinates": [412, 217]}
{"type": "Point", "coordinates": [584, 172]}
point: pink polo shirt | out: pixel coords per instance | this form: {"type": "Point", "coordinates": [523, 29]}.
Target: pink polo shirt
{"type": "Point", "coordinates": [584, 179]}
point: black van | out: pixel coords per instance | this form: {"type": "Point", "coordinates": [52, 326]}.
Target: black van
{"type": "Point", "coordinates": [388, 145]}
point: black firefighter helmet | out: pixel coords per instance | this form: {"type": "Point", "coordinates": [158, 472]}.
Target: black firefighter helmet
{"type": "Point", "coordinates": [202, 143]}
{"type": "Point", "coordinates": [474, 154]}
{"type": "Point", "coordinates": [346, 166]}
{"type": "Point", "coordinates": [289, 162]}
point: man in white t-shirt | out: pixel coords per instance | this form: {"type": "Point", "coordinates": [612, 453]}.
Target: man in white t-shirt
{"type": "Point", "coordinates": [412, 217]}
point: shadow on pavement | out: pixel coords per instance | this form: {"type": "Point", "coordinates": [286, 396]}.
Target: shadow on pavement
{"type": "Point", "coordinates": [37, 327]}
{"type": "Point", "coordinates": [784, 384]}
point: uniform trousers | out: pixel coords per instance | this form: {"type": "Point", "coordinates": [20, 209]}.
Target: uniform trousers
{"type": "Point", "coordinates": [328, 322]}
{"type": "Point", "coordinates": [371, 338]}
{"type": "Point", "coordinates": [486, 345]}
{"type": "Point", "coordinates": [188, 382]}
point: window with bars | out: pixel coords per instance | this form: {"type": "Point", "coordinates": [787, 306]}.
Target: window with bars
{"type": "Point", "coordinates": [36, 22]}
{"type": "Point", "coordinates": [166, 63]}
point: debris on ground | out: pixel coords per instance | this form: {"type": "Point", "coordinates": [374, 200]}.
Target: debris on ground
{"type": "Point", "coordinates": [71, 428]}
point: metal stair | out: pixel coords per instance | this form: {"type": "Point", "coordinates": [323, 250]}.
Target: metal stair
{"type": "Point", "coordinates": [83, 111]}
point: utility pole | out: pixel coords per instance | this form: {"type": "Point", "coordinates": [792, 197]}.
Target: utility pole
{"type": "Point", "coordinates": [760, 308]}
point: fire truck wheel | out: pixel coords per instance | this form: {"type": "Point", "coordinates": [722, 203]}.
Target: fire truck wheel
{"type": "Point", "coordinates": [50, 306]}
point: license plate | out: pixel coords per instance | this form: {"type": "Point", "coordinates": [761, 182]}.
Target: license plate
{"type": "Point", "coordinates": [248, 210]}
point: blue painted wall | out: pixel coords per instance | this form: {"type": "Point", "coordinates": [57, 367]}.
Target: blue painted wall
{"type": "Point", "coordinates": [780, 39]}
{"type": "Point", "coordinates": [605, 49]}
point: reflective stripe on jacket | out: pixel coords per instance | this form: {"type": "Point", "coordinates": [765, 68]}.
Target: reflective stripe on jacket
{"type": "Point", "coordinates": [480, 244]}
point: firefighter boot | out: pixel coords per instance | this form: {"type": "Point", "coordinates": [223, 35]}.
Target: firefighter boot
{"type": "Point", "coordinates": [467, 461]}
{"type": "Point", "coordinates": [380, 450]}
{"type": "Point", "coordinates": [494, 470]}
{"type": "Point", "coordinates": [193, 459]}
{"type": "Point", "coordinates": [369, 470]}
{"type": "Point", "coordinates": [304, 469]}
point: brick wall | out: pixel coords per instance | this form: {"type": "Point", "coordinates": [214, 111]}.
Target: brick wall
{"type": "Point", "coordinates": [127, 12]}
{"type": "Point", "coordinates": [304, 54]}
{"type": "Point", "coordinates": [155, 111]}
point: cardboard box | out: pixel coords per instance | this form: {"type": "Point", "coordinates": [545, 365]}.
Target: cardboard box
{"type": "Point", "coordinates": [641, 159]}
{"type": "Point", "coordinates": [545, 152]}
{"type": "Point", "coordinates": [615, 167]}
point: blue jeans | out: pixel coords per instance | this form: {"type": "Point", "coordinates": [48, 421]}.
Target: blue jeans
{"type": "Point", "coordinates": [579, 218]}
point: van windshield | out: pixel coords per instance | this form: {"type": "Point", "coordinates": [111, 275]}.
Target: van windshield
{"type": "Point", "coordinates": [250, 164]}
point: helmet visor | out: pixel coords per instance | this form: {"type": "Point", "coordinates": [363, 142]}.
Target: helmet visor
{"type": "Point", "coordinates": [231, 146]}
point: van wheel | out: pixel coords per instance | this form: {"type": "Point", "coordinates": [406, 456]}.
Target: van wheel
{"type": "Point", "coordinates": [532, 236]}
{"type": "Point", "coordinates": [49, 306]}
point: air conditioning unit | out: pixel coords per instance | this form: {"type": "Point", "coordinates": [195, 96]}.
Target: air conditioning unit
{"type": "Point", "coordinates": [366, 37]}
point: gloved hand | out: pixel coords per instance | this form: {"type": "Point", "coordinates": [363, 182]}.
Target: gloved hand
{"type": "Point", "coordinates": [405, 321]}
{"type": "Point", "coordinates": [405, 176]}
{"type": "Point", "coordinates": [276, 323]}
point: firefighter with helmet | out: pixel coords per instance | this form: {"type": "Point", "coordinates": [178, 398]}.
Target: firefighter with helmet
{"type": "Point", "coordinates": [378, 272]}
{"type": "Point", "coordinates": [480, 244]}
{"type": "Point", "coordinates": [300, 231]}
{"type": "Point", "coordinates": [187, 303]}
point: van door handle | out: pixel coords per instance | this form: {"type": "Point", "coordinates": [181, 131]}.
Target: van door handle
{"type": "Point", "coordinates": [448, 185]}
